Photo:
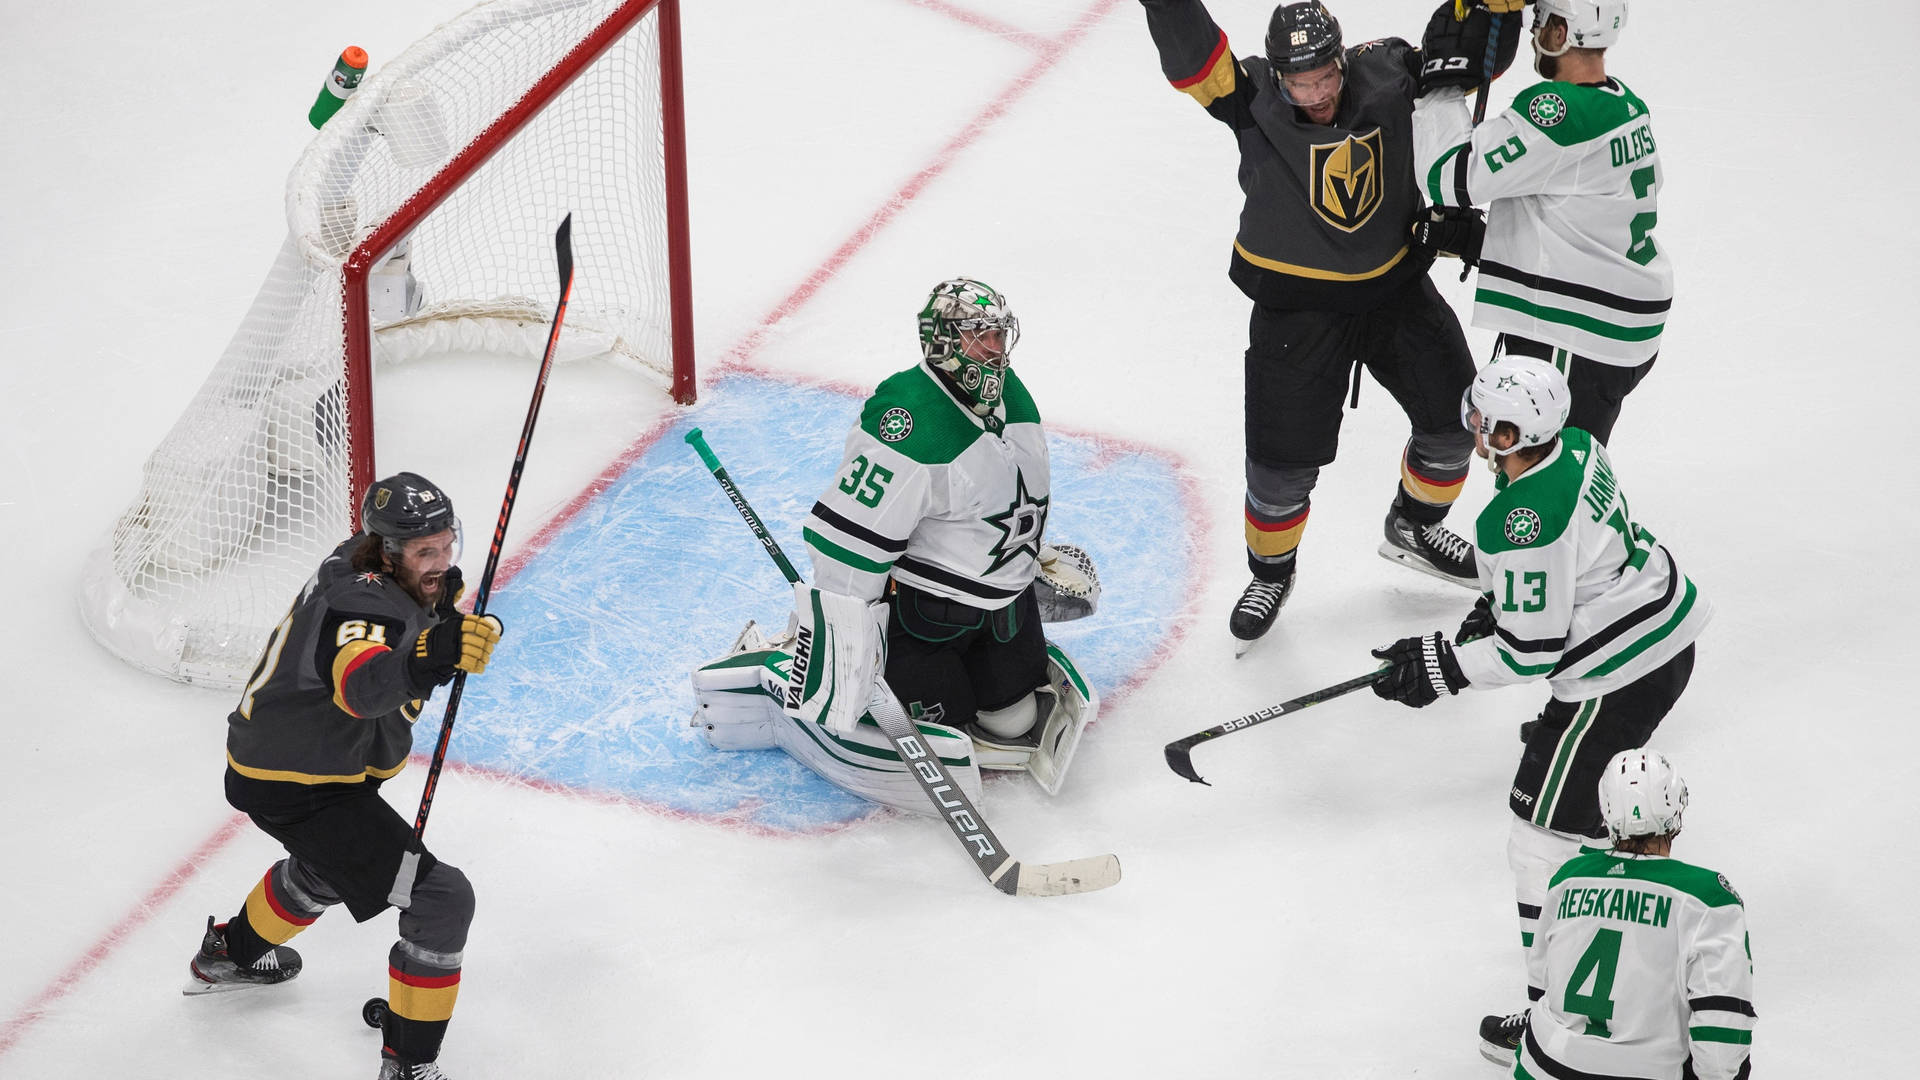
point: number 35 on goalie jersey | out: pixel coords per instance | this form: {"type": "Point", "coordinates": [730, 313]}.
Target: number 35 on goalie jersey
{"type": "Point", "coordinates": [949, 502]}
{"type": "Point", "coordinates": [1582, 595]}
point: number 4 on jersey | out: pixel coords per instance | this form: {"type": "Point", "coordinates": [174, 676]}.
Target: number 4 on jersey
{"type": "Point", "coordinates": [1601, 961]}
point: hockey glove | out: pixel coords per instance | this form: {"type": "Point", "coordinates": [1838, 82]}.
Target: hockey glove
{"type": "Point", "coordinates": [452, 588]}
{"type": "Point", "coordinates": [462, 643]}
{"type": "Point", "coordinates": [1478, 623]}
{"type": "Point", "coordinates": [1453, 51]}
{"type": "Point", "coordinates": [1453, 231]}
{"type": "Point", "coordinates": [1418, 670]}
{"type": "Point", "coordinates": [1068, 586]}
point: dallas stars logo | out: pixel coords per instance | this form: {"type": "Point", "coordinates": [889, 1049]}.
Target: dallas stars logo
{"type": "Point", "coordinates": [895, 424]}
{"type": "Point", "coordinates": [1506, 382]}
{"type": "Point", "coordinates": [1020, 525]}
{"type": "Point", "coordinates": [1547, 110]}
{"type": "Point", "coordinates": [1522, 527]}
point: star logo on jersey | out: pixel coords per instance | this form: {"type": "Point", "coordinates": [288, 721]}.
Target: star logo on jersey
{"type": "Point", "coordinates": [1523, 527]}
{"type": "Point", "coordinates": [1346, 181]}
{"type": "Point", "coordinates": [895, 424]}
{"type": "Point", "coordinates": [1547, 110]}
{"type": "Point", "coordinates": [368, 578]}
{"type": "Point", "coordinates": [1020, 525]}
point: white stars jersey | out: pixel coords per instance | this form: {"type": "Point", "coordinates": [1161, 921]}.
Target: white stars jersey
{"type": "Point", "coordinates": [1570, 179]}
{"type": "Point", "coordinates": [930, 493]}
{"type": "Point", "coordinates": [1582, 595]}
{"type": "Point", "coordinates": [1644, 964]}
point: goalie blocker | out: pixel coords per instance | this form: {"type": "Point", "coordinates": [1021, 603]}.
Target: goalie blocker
{"type": "Point", "coordinates": [740, 705]}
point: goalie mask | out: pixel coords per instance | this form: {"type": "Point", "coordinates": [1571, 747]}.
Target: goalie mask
{"type": "Point", "coordinates": [968, 331]}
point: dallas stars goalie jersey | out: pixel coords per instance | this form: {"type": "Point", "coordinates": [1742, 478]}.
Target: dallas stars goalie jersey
{"type": "Point", "coordinates": [1582, 595]}
{"type": "Point", "coordinates": [1644, 965]}
{"type": "Point", "coordinates": [930, 493]}
{"type": "Point", "coordinates": [1571, 180]}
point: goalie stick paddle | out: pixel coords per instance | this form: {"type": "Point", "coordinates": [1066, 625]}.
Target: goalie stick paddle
{"type": "Point", "coordinates": [990, 857]}
{"type": "Point", "coordinates": [563, 249]}
{"type": "Point", "coordinates": [1180, 751]}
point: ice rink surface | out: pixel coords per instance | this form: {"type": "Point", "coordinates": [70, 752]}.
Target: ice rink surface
{"type": "Point", "coordinates": [1337, 904]}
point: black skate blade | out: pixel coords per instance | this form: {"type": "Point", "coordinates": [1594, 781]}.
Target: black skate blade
{"type": "Point", "coordinates": [1408, 559]}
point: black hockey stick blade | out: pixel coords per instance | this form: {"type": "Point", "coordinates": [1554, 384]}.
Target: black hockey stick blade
{"type": "Point", "coordinates": [1179, 752]}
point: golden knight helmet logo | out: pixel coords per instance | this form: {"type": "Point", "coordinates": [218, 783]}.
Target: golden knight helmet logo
{"type": "Point", "coordinates": [1346, 184]}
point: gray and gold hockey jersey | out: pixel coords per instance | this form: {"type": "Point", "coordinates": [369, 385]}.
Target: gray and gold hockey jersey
{"type": "Point", "coordinates": [1582, 595]}
{"type": "Point", "coordinates": [1644, 969]}
{"type": "Point", "coordinates": [930, 493]}
{"type": "Point", "coordinates": [1329, 208]}
{"type": "Point", "coordinates": [1570, 178]}
{"type": "Point", "coordinates": [330, 705]}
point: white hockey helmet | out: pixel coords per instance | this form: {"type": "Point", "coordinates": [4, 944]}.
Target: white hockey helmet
{"type": "Point", "coordinates": [1641, 795]}
{"type": "Point", "coordinates": [1591, 24]}
{"type": "Point", "coordinates": [1530, 394]}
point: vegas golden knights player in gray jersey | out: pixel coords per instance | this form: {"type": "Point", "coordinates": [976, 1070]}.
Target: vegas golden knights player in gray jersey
{"type": "Point", "coordinates": [327, 717]}
{"type": "Point", "coordinates": [1325, 135]}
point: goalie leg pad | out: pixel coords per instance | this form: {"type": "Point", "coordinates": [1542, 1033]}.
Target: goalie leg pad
{"type": "Point", "coordinates": [839, 648]}
{"type": "Point", "coordinates": [865, 763]}
{"type": "Point", "coordinates": [1075, 704]}
{"type": "Point", "coordinates": [739, 707]}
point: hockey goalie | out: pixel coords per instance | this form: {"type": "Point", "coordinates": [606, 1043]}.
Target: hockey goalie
{"type": "Point", "coordinates": [931, 584]}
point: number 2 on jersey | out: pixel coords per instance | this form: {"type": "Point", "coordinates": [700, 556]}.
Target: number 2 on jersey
{"type": "Point", "coordinates": [1642, 250]}
{"type": "Point", "coordinates": [1601, 962]}
{"type": "Point", "coordinates": [875, 479]}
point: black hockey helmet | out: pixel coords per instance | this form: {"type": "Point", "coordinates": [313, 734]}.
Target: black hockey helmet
{"type": "Point", "coordinates": [403, 507]}
{"type": "Point", "coordinates": [1301, 37]}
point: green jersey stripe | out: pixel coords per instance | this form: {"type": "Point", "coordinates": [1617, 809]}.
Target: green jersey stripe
{"type": "Point", "coordinates": [1720, 1035]}
{"type": "Point", "coordinates": [1524, 670]}
{"type": "Point", "coordinates": [1650, 639]}
{"type": "Point", "coordinates": [839, 554]}
{"type": "Point", "coordinates": [1591, 325]}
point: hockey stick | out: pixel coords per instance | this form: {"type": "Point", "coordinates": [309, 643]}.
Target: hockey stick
{"type": "Point", "coordinates": [1180, 751]}
{"type": "Point", "coordinates": [1002, 870]}
{"type": "Point", "coordinates": [1486, 70]}
{"type": "Point", "coordinates": [563, 248]}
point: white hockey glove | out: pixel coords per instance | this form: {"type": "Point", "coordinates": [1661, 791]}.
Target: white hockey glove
{"type": "Point", "coordinates": [839, 649]}
{"type": "Point", "coordinates": [1068, 587]}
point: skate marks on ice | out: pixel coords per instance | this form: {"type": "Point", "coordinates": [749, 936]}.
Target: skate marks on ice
{"type": "Point", "coordinates": [652, 576]}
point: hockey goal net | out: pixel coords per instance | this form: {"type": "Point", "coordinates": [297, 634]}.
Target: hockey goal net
{"type": "Point", "coordinates": [420, 219]}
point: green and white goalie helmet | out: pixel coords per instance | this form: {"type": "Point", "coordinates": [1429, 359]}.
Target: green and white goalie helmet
{"type": "Point", "coordinates": [1641, 795]}
{"type": "Point", "coordinates": [967, 329]}
{"type": "Point", "coordinates": [1591, 24]}
{"type": "Point", "coordinates": [1530, 394]}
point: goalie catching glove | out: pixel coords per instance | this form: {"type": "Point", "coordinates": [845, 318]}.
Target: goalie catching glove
{"type": "Point", "coordinates": [839, 649]}
{"type": "Point", "coordinates": [1068, 587]}
{"type": "Point", "coordinates": [459, 643]}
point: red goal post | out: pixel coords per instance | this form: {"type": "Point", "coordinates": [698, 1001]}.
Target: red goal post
{"type": "Point", "coordinates": [420, 220]}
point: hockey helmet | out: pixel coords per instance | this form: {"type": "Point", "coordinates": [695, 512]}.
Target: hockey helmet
{"type": "Point", "coordinates": [406, 506]}
{"type": "Point", "coordinates": [1641, 795]}
{"type": "Point", "coordinates": [1591, 24]}
{"type": "Point", "coordinates": [1530, 394]}
{"type": "Point", "coordinates": [1301, 37]}
{"type": "Point", "coordinates": [956, 336]}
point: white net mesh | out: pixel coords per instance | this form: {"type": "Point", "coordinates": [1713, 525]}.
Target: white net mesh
{"type": "Point", "coordinates": [251, 487]}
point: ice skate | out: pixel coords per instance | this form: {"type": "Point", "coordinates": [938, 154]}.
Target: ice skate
{"type": "Point", "coordinates": [1431, 549]}
{"type": "Point", "coordinates": [1500, 1036]}
{"type": "Point", "coordinates": [212, 971]}
{"type": "Point", "coordinates": [1253, 615]}
{"type": "Point", "coordinates": [401, 1069]}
